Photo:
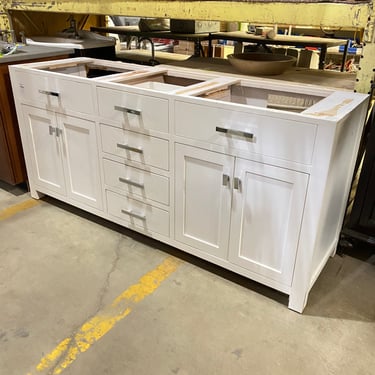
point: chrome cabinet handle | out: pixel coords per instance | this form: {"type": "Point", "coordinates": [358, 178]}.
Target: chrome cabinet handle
{"type": "Point", "coordinates": [51, 130]}
{"type": "Point", "coordinates": [130, 182]}
{"type": "Point", "coordinates": [130, 148]}
{"type": "Point", "coordinates": [134, 214]}
{"type": "Point", "coordinates": [235, 132]}
{"type": "Point", "coordinates": [127, 110]}
{"type": "Point", "coordinates": [226, 180]}
{"type": "Point", "coordinates": [237, 183]}
{"type": "Point", "coordinates": [51, 93]}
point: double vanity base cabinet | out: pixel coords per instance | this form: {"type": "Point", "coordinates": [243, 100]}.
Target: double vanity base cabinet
{"type": "Point", "coordinates": [252, 175]}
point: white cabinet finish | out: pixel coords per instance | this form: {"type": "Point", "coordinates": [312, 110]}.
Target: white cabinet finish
{"type": "Point", "coordinates": [133, 111]}
{"type": "Point", "coordinates": [250, 175]}
{"type": "Point", "coordinates": [243, 211]}
{"type": "Point", "coordinates": [203, 199]}
{"type": "Point", "coordinates": [136, 182]}
{"type": "Point", "coordinates": [267, 213]}
{"type": "Point", "coordinates": [135, 147]}
{"type": "Point", "coordinates": [64, 155]}
{"type": "Point", "coordinates": [54, 92]}
{"type": "Point", "coordinates": [137, 215]}
{"type": "Point", "coordinates": [46, 148]}
{"type": "Point", "coordinates": [249, 132]}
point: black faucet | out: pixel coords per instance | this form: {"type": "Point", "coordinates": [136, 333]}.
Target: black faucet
{"type": "Point", "coordinates": [73, 26]}
{"type": "Point", "coordinates": [152, 61]}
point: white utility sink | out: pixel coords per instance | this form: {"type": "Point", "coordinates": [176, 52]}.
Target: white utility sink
{"type": "Point", "coordinates": [84, 40]}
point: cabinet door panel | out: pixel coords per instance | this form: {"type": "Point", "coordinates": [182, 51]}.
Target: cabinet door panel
{"type": "Point", "coordinates": [266, 219]}
{"type": "Point", "coordinates": [202, 200]}
{"type": "Point", "coordinates": [45, 148]}
{"type": "Point", "coordinates": [81, 160]}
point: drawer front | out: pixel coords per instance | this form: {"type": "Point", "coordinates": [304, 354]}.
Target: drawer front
{"type": "Point", "coordinates": [268, 136]}
{"type": "Point", "coordinates": [136, 147]}
{"type": "Point", "coordinates": [137, 112]}
{"type": "Point", "coordinates": [136, 182]}
{"type": "Point", "coordinates": [136, 214]}
{"type": "Point", "coordinates": [56, 93]}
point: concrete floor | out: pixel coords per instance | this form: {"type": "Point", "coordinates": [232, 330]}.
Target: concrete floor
{"type": "Point", "coordinates": [60, 267]}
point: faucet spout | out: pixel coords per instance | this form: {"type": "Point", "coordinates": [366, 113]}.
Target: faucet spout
{"type": "Point", "coordinates": [73, 26]}
{"type": "Point", "coordinates": [152, 61]}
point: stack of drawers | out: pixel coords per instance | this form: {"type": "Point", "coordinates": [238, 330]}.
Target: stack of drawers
{"type": "Point", "coordinates": [135, 153]}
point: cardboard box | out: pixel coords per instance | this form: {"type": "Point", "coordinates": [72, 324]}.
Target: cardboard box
{"type": "Point", "coordinates": [193, 26]}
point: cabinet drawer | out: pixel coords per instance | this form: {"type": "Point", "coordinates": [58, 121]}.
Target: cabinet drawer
{"type": "Point", "coordinates": [137, 112]}
{"type": "Point", "coordinates": [137, 214]}
{"type": "Point", "coordinates": [55, 93]}
{"type": "Point", "coordinates": [136, 182]}
{"type": "Point", "coordinates": [268, 136]}
{"type": "Point", "coordinates": [136, 147]}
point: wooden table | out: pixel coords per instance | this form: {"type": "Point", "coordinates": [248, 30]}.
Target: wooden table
{"type": "Point", "coordinates": [134, 31]}
{"type": "Point", "coordinates": [288, 40]}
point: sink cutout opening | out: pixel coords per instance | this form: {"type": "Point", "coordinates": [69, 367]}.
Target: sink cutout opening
{"type": "Point", "coordinates": [162, 82]}
{"type": "Point", "coordinates": [86, 70]}
{"type": "Point", "coordinates": [281, 100]}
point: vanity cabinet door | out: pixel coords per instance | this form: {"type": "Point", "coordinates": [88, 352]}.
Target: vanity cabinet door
{"type": "Point", "coordinates": [64, 155]}
{"type": "Point", "coordinates": [45, 149]}
{"type": "Point", "coordinates": [267, 210]}
{"type": "Point", "coordinates": [203, 199]}
{"type": "Point", "coordinates": [81, 160]}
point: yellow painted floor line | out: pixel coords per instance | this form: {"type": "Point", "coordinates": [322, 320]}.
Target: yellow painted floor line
{"type": "Point", "coordinates": [15, 209]}
{"type": "Point", "coordinates": [67, 351]}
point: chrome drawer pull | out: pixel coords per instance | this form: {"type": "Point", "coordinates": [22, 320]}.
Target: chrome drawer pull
{"type": "Point", "coordinates": [130, 182]}
{"type": "Point", "coordinates": [134, 214]}
{"type": "Point", "coordinates": [235, 132]}
{"type": "Point", "coordinates": [52, 93]}
{"type": "Point", "coordinates": [127, 110]}
{"type": "Point", "coordinates": [130, 148]}
{"type": "Point", "coordinates": [237, 183]}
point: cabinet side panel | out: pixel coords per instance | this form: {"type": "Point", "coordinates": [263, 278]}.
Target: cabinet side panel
{"type": "Point", "coordinates": [337, 188]}
{"type": "Point", "coordinates": [6, 173]}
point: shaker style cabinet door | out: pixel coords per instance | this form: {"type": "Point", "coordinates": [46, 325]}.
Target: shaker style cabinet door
{"type": "Point", "coordinates": [203, 199]}
{"type": "Point", "coordinates": [64, 155]}
{"type": "Point", "coordinates": [81, 160]}
{"type": "Point", "coordinates": [45, 149]}
{"type": "Point", "coordinates": [268, 204]}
